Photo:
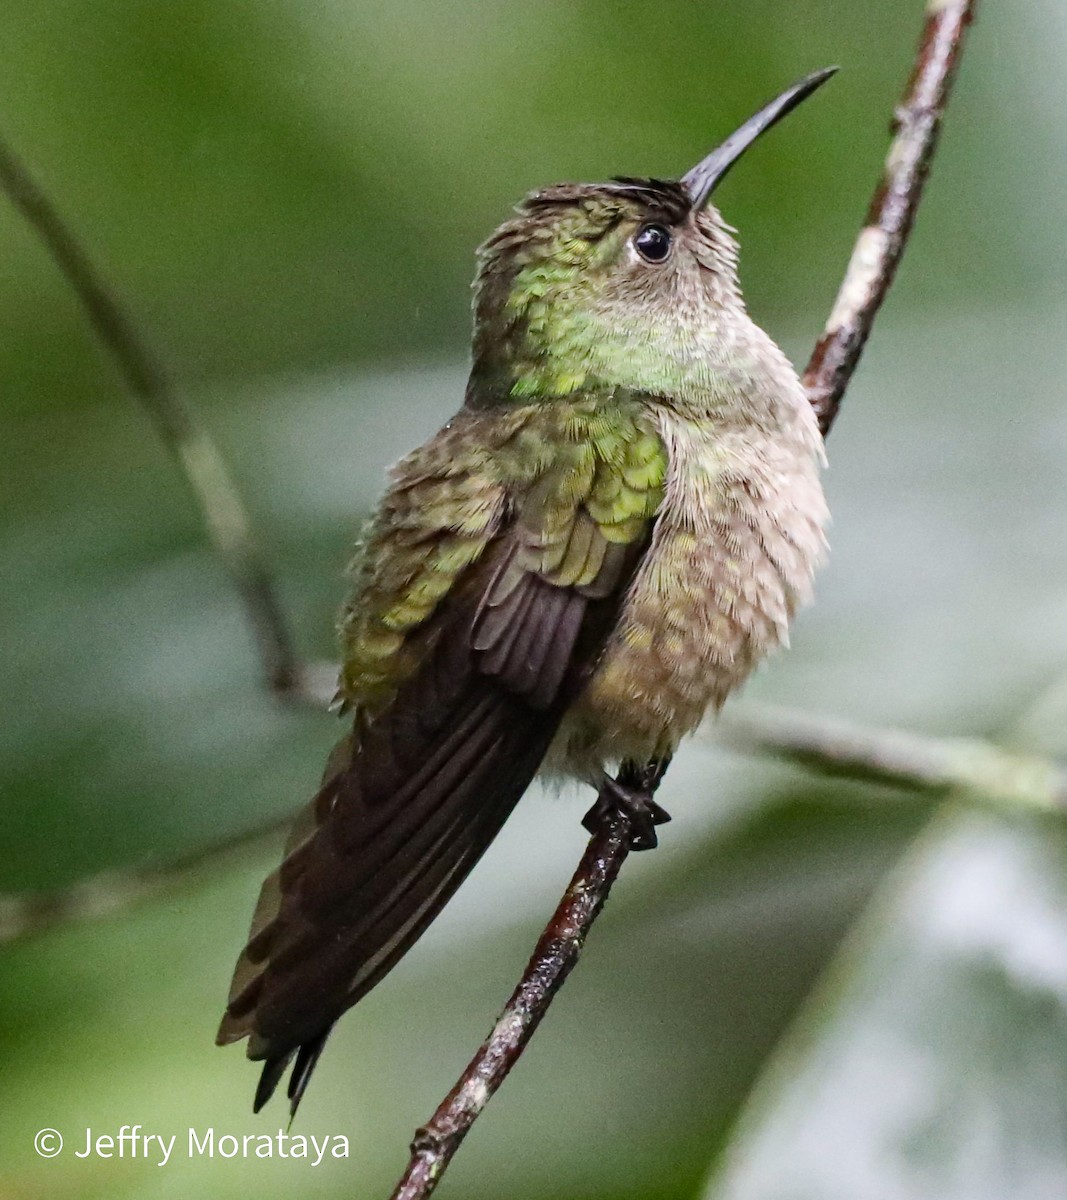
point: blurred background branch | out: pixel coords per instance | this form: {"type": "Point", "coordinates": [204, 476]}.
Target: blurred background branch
{"type": "Point", "coordinates": [971, 767]}
{"type": "Point", "coordinates": [112, 892]}
{"type": "Point", "coordinates": [225, 515]}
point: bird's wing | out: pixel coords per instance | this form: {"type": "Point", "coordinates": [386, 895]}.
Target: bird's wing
{"type": "Point", "coordinates": [490, 580]}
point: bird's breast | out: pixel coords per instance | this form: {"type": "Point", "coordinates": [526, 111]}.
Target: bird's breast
{"type": "Point", "coordinates": [733, 552]}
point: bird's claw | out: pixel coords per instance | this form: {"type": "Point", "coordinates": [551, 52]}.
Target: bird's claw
{"type": "Point", "coordinates": [635, 803]}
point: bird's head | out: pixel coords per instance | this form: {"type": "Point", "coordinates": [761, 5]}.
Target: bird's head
{"type": "Point", "coordinates": [615, 284]}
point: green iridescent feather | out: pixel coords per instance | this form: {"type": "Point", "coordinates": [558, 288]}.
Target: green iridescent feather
{"type": "Point", "coordinates": [576, 476]}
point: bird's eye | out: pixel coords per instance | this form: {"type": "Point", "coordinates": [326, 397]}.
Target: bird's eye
{"type": "Point", "coordinates": [653, 243]}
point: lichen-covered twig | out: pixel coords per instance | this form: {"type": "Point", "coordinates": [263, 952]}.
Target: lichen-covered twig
{"type": "Point", "coordinates": [555, 954]}
{"type": "Point", "coordinates": [880, 245]}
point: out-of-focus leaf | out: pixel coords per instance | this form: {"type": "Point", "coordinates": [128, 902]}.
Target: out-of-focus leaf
{"type": "Point", "coordinates": [933, 1060]}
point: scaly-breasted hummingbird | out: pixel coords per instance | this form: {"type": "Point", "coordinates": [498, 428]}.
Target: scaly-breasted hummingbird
{"type": "Point", "coordinates": [616, 526]}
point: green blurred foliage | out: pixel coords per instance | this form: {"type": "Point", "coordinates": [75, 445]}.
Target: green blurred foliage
{"type": "Point", "coordinates": [287, 195]}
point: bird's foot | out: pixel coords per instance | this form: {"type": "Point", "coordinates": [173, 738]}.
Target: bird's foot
{"type": "Point", "coordinates": [630, 795]}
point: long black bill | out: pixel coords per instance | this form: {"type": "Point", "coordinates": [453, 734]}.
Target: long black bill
{"type": "Point", "coordinates": [702, 180]}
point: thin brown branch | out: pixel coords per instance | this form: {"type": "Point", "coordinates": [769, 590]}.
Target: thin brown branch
{"type": "Point", "coordinates": [553, 958]}
{"type": "Point", "coordinates": [870, 272]}
{"type": "Point", "coordinates": [225, 516]}
{"type": "Point", "coordinates": [880, 246]}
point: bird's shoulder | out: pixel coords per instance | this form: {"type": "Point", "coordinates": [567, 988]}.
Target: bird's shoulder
{"type": "Point", "coordinates": [560, 490]}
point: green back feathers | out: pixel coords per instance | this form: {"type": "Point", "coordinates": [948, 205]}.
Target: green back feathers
{"type": "Point", "coordinates": [567, 480]}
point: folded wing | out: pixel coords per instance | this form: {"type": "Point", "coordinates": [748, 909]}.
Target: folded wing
{"type": "Point", "coordinates": [470, 635]}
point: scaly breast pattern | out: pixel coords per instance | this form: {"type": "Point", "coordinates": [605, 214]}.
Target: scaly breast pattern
{"type": "Point", "coordinates": [732, 557]}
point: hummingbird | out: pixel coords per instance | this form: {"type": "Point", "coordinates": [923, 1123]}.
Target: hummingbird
{"type": "Point", "coordinates": [617, 525]}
